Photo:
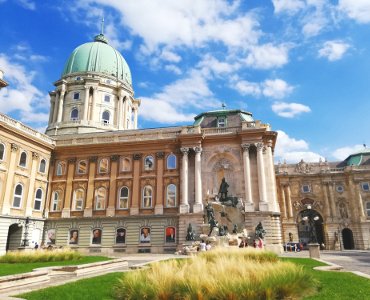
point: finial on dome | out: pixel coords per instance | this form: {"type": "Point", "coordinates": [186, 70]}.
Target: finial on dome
{"type": "Point", "coordinates": [102, 26]}
{"type": "Point", "coordinates": [223, 105]}
{"type": "Point", "coordinates": [100, 37]}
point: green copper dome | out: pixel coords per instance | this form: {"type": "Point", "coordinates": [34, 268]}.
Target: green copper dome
{"type": "Point", "coordinates": [100, 57]}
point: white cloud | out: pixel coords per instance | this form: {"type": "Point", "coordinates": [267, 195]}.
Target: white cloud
{"type": "Point", "coordinates": [292, 150]}
{"type": "Point", "coordinates": [211, 64]}
{"type": "Point", "coordinates": [288, 6]}
{"type": "Point", "coordinates": [289, 110]}
{"type": "Point", "coordinates": [358, 10]}
{"type": "Point", "coordinates": [268, 56]}
{"type": "Point", "coordinates": [176, 101]}
{"type": "Point", "coordinates": [313, 26]}
{"type": "Point", "coordinates": [174, 69]}
{"type": "Point", "coordinates": [247, 88]}
{"type": "Point", "coordinates": [110, 31]}
{"type": "Point", "coordinates": [27, 4]}
{"type": "Point", "coordinates": [344, 152]}
{"type": "Point", "coordinates": [170, 56]}
{"type": "Point", "coordinates": [276, 88]}
{"type": "Point", "coordinates": [21, 95]}
{"type": "Point", "coordinates": [333, 50]}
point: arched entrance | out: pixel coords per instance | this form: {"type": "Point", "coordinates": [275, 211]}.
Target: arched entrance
{"type": "Point", "coordinates": [308, 228]}
{"type": "Point", "coordinates": [14, 237]}
{"type": "Point", "coordinates": [347, 237]}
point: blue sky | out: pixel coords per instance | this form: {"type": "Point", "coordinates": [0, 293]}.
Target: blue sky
{"type": "Point", "coordinates": [300, 65]}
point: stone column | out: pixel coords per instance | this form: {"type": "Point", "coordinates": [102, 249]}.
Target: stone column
{"type": "Point", "coordinates": [66, 211]}
{"type": "Point", "coordinates": [198, 206]}
{"type": "Point", "coordinates": [283, 202]}
{"type": "Point", "coordinates": [135, 118]}
{"type": "Point", "coordinates": [31, 192]}
{"type": "Point", "coordinates": [56, 105]}
{"type": "Point", "coordinates": [60, 105]}
{"type": "Point", "coordinates": [289, 200]}
{"type": "Point", "coordinates": [263, 205]}
{"type": "Point", "coordinates": [184, 206]}
{"type": "Point", "coordinates": [248, 203]}
{"type": "Point", "coordinates": [326, 201]}
{"type": "Point", "coordinates": [332, 201]}
{"type": "Point", "coordinates": [90, 187]}
{"type": "Point", "coordinates": [52, 107]}
{"type": "Point", "coordinates": [120, 111]}
{"type": "Point", "coordinates": [271, 168]}
{"type": "Point", "coordinates": [158, 208]}
{"type": "Point", "coordinates": [93, 103]}
{"type": "Point", "coordinates": [125, 100]}
{"type": "Point", "coordinates": [86, 104]}
{"type": "Point", "coordinates": [9, 186]}
{"type": "Point", "coordinates": [360, 202]}
{"type": "Point", "coordinates": [112, 200]}
{"type": "Point", "coordinates": [136, 195]}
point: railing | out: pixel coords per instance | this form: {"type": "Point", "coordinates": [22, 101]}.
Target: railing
{"type": "Point", "coordinates": [220, 130]}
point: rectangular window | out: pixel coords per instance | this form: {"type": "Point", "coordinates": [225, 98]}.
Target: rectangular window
{"type": "Point", "coordinates": [221, 122]}
{"type": "Point", "coordinates": [306, 188]}
{"type": "Point", "coordinates": [76, 96]}
{"type": "Point", "coordinates": [365, 186]}
{"type": "Point", "coordinates": [107, 98]}
{"type": "Point", "coordinates": [37, 205]}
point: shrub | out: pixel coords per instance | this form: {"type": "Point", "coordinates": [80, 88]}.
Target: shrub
{"type": "Point", "coordinates": [40, 256]}
{"type": "Point", "coordinates": [218, 274]}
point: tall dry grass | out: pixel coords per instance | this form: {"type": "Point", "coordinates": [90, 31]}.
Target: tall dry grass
{"type": "Point", "coordinates": [40, 256]}
{"type": "Point", "coordinates": [220, 274]}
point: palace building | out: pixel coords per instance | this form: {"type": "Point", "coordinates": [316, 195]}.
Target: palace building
{"type": "Point", "coordinates": [97, 183]}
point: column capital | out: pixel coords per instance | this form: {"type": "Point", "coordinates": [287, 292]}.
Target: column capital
{"type": "Point", "coordinates": [35, 155]}
{"type": "Point", "coordinates": [93, 159]}
{"type": "Point", "coordinates": [72, 160]}
{"type": "Point", "coordinates": [198, 149]}
{"type": "Point", "coordinates": [137, 156]}
{"type": "Point", "coordinates": [87, 87]}
{"type": "Point", "coordinates": [14, 147]}
{"type": "Point", "coordinates": [160, 155]}
{"type": "Point", "coordinates": [184, 150]}
{"type": "Point", "coordinates": [114, 157]}
{"type": "Point", "coordinates": [246, 147]}
{"type": "Point", "coordinates": [260, 146]}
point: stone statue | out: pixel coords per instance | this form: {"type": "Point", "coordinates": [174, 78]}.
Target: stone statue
{"type": "Point", "coordinates": [260, 232]}
{"type": "Point", "coordinates": [190, 235]}
{"type": "Point", "coordinates": [235, 229]}
{"type": "Point", "coordinates": [223, 190]}
{"type": "Point", "coordinates": [290, 237]}
{"type": "Point", "coordinates": [210, 212]}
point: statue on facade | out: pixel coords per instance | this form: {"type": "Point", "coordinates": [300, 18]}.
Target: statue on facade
{"type": "Point", "coordinates": [223, 190]}
{"type": "Point", "coordinates": [260, 232]}
{"type": "Point", "coordinates": [190, 235]}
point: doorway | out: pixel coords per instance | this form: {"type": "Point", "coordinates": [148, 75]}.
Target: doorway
{"type": "Point", "coordinates": [307, 228]}
{"type": "Point", "coordinates": [14, 237]}
{"type": "Point", "coordinates": [347, 237]}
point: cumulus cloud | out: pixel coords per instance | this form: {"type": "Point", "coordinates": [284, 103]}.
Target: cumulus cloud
{"type": "Point", "coordinates": [344, 152]}
{"type": "Point", "coordinates": [358, 10]}
{"type": "Point", "coordinates": [210, 64]}
{"type": "Point", "coordinates": [170, 56]}
{"type": "Point", "coordinates": [27, 4]}
{"type": "Point", "coordinates": [268, 56]}
{"type": "Point", "coordinates": [289, 110]}
{"type": "Point", "coordinates": [173, 68]}
{"type": "Point", "coordinates": [271, 88]}
{"type": "Point", "coordinates": [288, 6]}
{"type": "Point", "coordinates": [245, 87]}
{"type": "Point", "coordinates": [21, 95]}
{"type": "Point", "coordinates": [293, 150]}
{"type": "Point", "coordinates": [333, 50]}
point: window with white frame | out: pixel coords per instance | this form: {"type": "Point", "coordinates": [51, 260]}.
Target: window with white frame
{"type": "Point", "coordinates": [42, 167]}
{"type": "Point", "coordinates": [23, 159]}
{"type": "Point", "coordinates": [82, 167]}
{"type": "Point", "coordinates": [76, 96]}
{"type": "Point", "coordinates": [78, 199]}
{"type": "Point", "coordinates": [105, 117]}
{"type": "Point", "coordinates": [123, 198]}
{"type": "Point", "coordinates": [100, 198]}
{"type": "Point", "coordinates": [368, 208]}
{"type": "Point", "coordinates": [171, 161]}
{"type": "Point", "coordinates": [56, 201]}
{"type": "Point", "coordinates": [106, 98]}
{"type": "Point", "coordinates": [103, 166]}
{"type": "Point", "coordinates": [60, 169]}
{"type": "Point", "coordinates": [2, 151]}
{"type": "Point", "coordinates": [306, 188]}
{"type": "Point", "coordinates": [221, 122]}
{"type": "Point", "coordinates": [147, 196]}
{"type": "Point", "coordinates": [38, 199]}
{"type": "Point", "coordinates": [148, 163]}
{"type": "Point", "coordinates": [171, 195]}
{"type": "Point", "coordinates": [74, 114]}
{"type": "Point", "coordinates": [365, 186]}
{"type": "Point", "coordinates": [18, 193]}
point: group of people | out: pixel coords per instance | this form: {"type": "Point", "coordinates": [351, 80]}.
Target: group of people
{"type": "Point", "coordinates": [204, 246]}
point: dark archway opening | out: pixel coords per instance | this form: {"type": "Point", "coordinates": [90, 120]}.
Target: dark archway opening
{"type": "Point", "coordinates": [14, 237]}
{"type": "Point", "coordinates": [347, 237]}
{"type": "Point", "coordinates": [307, 228]}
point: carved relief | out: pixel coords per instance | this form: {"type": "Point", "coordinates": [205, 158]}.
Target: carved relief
{"type": "Point", "coordinates": [303, 167]}
{"type": "Point", "coordinates": [160, 155]}
{"type": "Point", "coordinates": [35, 155]}
{"type": "Point", "coordinates": [343, 210]}
{"type": "Point", "coordinates": [14, 147]}
{"type": "Point", "coordinates": [137, 156]}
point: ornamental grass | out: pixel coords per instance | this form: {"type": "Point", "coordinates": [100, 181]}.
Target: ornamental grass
{"type": "Point", "coordinates": [219, 274]}
{"type": "Point", "coordinates": [40, 256]}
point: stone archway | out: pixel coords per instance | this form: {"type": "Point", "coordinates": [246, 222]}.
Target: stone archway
{"type": "Point", "coordinates": [14, 237]}
{"type": "Point", "coordinates": [347, 238]}
{"type": "Point", "coordinates": [304, 228]}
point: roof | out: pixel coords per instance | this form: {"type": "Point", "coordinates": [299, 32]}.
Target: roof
{"type": "Point", "coordinates": [246, 116]}
{"type": "Point", "coordinates": [358, 158]}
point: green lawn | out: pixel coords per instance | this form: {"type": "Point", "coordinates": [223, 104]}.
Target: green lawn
{"type": "Point", "coordinates": [17, 268]}
{"type": "Point", "coordinates": [333, 285]}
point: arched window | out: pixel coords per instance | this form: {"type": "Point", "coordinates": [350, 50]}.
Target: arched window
{"type": "Point", "coordinates": [123, 198]}
{"type": "Point", "coordinates": [82, 167]}
{"type": "Point", "coordinates": [368, 208]}
{"type": "Point", "coordinates": [74, 114]}
{"type": "Point", "coordinates": [38, 200]}
{"type": "Point", "coordinates": [171, 161]}
{"type": "Point", "coordinates": [18, 192]}
{"type": "Point", "coordinates": [23, 159]}
{"type": "Point", "coordinates": [171, 195]}
{"type": "Point", "coordinates": [103, 166]}
{"type": "Point", "coordinates": [42, 167]}
{"type": "Point", "coordinates": [125, 164]}
{"type": "Point", "coordinates": [60, 169]}
{"type": "Point", "coordinates": [78, 199]}
{"type": "Point", "coordinates": [105, 117]}
{"type": "Point", "coordinates": [100, 198]}
{"type": "Point", "coordinates": [149, 163]}
{"type": "Point", "coordinates": [2, 151]}
{"type": "Point", "coordinates": [147, 196]}
{"type": "Point", "coordinates": [56, 202]}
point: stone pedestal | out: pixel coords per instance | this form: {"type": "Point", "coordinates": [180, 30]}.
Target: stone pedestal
{"type": "Point", "coordinates": [184, 208]}
{"type": "Point", "coordinates": [158, 209]}
{"type": "Point", "coordinates": [314, 250]}
{"type": "Point", "coordinates": [263, 206]}
{"type": "Point", "coordinates": [248, 207]}
{"type": "Point", "coordinates": [198, 207]}
{"type": "Point", "coordinates": [88, 212]}
{"type": "Point", "coordinates": [110, 212]}
{"type": "Point", "coordinates": [66, 213]}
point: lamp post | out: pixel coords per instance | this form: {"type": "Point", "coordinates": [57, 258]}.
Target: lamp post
{"type": "Point", "coordinates": [26, 224]}
{"type": "Point", "coordinates": [311, 217]}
